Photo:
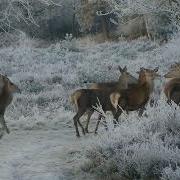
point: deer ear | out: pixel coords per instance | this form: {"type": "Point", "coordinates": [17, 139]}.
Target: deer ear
{"type": "Point", "coordinates": [156, 69]}
{"type": "Point", "coordinates": [120, 69]}
{"type": "Point", "coordinates": [125, 69]}
{"type": "Point", "coordinates": [1, 83]}
{"type": "Point", "coordinates": [141, 69]}
{"type": "Point", "coordinates": [137, 72]}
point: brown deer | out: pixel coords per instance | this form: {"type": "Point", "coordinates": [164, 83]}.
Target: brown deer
{"type": "Point", "coordinates": [7, 88]}
{"type": "Point", "coordinates": [86, 99]}
{"type": "Point", "coordinates": [172, 87]}
{"type": "Point", "coordinates": [135, 98]}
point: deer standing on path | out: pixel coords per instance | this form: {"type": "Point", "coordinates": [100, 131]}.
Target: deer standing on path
{"type": "Point", "coordinates": [86, 99]}
{"type": "Point", "coordinates": [172, 87]}
{"type": "Point", "coordinates": [7, 88]}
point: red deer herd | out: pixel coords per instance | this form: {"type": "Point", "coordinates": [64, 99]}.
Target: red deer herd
{"type": "Point", "coordinates": [128, 94]}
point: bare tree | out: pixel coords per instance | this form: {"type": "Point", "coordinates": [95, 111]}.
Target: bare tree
{"type": "Point", "coordinates": [161, 16]}
{"type": "Point", "coordinates": [92, 12]}
{"type": "Point", "coordinates": [19, 10]}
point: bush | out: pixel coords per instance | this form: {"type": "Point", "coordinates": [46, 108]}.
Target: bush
{"type": "Point", "coordinates": [146, 148]}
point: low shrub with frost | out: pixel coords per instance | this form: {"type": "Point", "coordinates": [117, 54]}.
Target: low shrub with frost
{"type": "Point", "coordinates": [139, 148]}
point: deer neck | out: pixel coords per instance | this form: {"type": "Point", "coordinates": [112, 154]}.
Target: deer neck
{"type": "Point", "coordinates": [146, 83]}
{"type": "Point", "coordinates": [151, 85]}
{"type": "Point", "coordinates": [122, 83]}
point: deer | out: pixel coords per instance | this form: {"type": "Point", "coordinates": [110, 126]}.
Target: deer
{"type": "Point", "coordinates": [137, 96]}
{"type": "Point", "coordinates": [86, 99]}
{"type": "Point", "coordinates": [172, 87]}
{"type": "Point", "coordinates": [7, 89]}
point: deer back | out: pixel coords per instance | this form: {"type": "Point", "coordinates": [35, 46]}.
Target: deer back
{"type": "Point", "coordinates": [103, 85]}
{"type": "Point", "coordinates": [125, 80]}
{"type": "Point", "coordinates": [86, 99]}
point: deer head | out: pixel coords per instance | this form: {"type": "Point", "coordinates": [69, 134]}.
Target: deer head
{"type": "Point", "coordinates": [8, 85]}
{"type": "Point", "coordinates": [126, 78]}
{"type": "Point", "coordinates": [148, 74]}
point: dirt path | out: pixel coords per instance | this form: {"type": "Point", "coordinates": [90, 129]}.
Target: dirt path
{"type": "Point", "coordinates": [38, 155]}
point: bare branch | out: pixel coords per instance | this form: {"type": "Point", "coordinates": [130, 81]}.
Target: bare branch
{"type": "Point", "coordinates": [19, 10]}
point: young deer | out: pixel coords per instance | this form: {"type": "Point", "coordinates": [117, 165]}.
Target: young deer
{"type": "Point", "coordinates": [172, 87]}
{"type": "Point", "coordinates": [135, 98]}
{"type": "Point", "coordinates": [86, 99]}
{"type": "Point", "coordinates": [7, 88]}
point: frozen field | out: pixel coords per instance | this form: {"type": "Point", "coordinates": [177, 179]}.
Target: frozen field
{"type": "Point", "coordinates": [42, 143]}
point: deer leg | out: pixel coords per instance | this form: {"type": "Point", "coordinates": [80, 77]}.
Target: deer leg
{"type": "Point", "coordinates": [141, 111]}
{"type": "Point", "coordinates": [97, 124]}
{"type": "Point", "coordinates": [105, 123]}
{"type": "Point", "coordinates": [83, 131]}
{"type": "Point", "coordinates": [88, 119]}
{"type": "Point", "coordinates": [76, 122]}
{"type": "Point", "coordinates": [3, 123]}
{"type": "Point", "coordinates": [116, 115]}
{"type": "Point", "coordinates": [169, 101]}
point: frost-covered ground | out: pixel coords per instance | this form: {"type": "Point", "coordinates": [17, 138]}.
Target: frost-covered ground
{"type": "Point", "coordinates": [42, 143]}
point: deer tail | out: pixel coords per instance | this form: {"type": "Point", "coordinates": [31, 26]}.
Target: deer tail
{"type": "Point", "coordinates": [74, 98]}
{"type": "Point", "coordinates": [114, 98]}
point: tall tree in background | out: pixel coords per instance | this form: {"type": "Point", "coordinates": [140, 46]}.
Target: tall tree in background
{"type": "Point", "coordinates": [161, 16]}
{"type": "Point", "coordinates": [92, 17]}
